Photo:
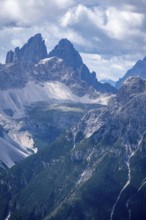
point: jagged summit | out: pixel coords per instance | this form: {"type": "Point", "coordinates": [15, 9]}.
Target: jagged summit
{"type": "Point", "coordinates": [33, 51]}
{"type": "Point", "coordinates": [139, 69]}
{"type": "Point", "coordinates": [75, 73]}
{"type": "Point", "coordinates": [66, 51]}
{"type": "Point", "coordinates": [132, 87]}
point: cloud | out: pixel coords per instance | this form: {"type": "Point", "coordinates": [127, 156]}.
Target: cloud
{"type": "Point", "coordinates": [99, 21]}
{"type": "Point", "coordinates": [110, 30]}
{"type": "Point", "coordinates": [113, 30]}
{"type": "Point", "coordinates": [122, 24]}
{"type": "Point", "coordinates": [10, 12]}
{"type": "Point", "coordinates": [31, 12]}
{"type": "Point", "coordinates": [108, 67]}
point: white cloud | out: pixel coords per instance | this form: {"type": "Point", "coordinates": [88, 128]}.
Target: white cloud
{"type": "Point", "coordinates": [31, 12]}
{"type": "Point", "coordinates": [110, 34]}
{"type": "Point", "coordinates": [120, 24]}
{"type": "Point", "coordinates": [10, 12]}
{"type": "Point", "coordinates": [77, 15]}
{"type": "Point", "coordinates": [16, 42]}
{"type": "Point", "coordinates": [107, 67]}
{"type": "Point", "coordinates": [112, 22]}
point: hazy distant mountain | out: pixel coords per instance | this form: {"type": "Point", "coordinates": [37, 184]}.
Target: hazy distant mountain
{"type": "Point", "coordinates": [111, 82]}
{"type": "Point", "coordinates": [94, 170]}
{"type": "Point", "coordinates": [139, 69]}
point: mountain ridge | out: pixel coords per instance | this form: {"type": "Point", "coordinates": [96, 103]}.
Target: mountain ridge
{"type": "Point", "coordinates": [139, 70]}
{"type": "Point", "coordinates": [66, 51]}
{"type": "Point", "coordinates": [33, 51]}
{"type": "Point", "coordinates": [105, 149]}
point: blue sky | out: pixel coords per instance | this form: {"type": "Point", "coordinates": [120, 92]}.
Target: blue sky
{"type": "Point", "coordinates": [109, 34]}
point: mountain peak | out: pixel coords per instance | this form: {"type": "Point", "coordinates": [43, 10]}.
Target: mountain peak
{"type": "Point", "coordinates": [66, 51]}
{"type": "Point", "coordinates": [65, 41]}
{"type": "Point", "coordinates": [34, 50]}
{"type": "Point", "coordinates": [139, 69]}
{"type": "Point", "coordinates": [135, 84]}
{"type": "Point", "coordinates": [132, 86]}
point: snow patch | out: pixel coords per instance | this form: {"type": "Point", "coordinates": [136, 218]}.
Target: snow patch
{"type": "Point", "coordinates": [8, 217]}
{"type": "Point", "coordinates": [46, 60]}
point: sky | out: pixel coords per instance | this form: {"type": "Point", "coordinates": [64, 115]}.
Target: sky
{"type": "Point", "coordinates": [109, 34]}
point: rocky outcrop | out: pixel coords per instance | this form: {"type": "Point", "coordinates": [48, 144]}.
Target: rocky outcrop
{"type": "Point", "coordinates": [33, 51]}
{"type": "Point", "coordinates": [10, 56]}
{"type": "Point", "coordinates": [139, 70]}
{"type": "Point", "coordinates": [132, 86]}
{"type": "Point", "coordinates": [63, 63]}
{"type": "Point", "coordinates": [66, 51]}
{"type": "Point", "coordinates": [123, 120]}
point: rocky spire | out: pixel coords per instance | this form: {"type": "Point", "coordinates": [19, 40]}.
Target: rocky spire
{"type": "Point", "coordinates": [66, 51]}
{"type": "Point", "coordinates": [34, 50]}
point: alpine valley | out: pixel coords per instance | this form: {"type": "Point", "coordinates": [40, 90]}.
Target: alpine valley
{"type": "Point", "coordinates": [42, 95]}
{"type": "Point", "coordinates": [71, 147]}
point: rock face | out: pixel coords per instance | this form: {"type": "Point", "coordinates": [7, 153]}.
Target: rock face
{"type": "Point", "coordinates": [33, 51]}
{"type": "Point", "coordinates": [10, 57]}
{"type": "Point", "coordinates": [132, 86]}
{"type": "Point", "coordinates": [139, 69]}
{"type": "Point", "coordinates": [63, 64]}
{"type": "Point", "coordinates": [119, 113]}
{"type": "Point", "coordinates": [97, 168]}
{"type": "Point", "coordinates": [66, 51]}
